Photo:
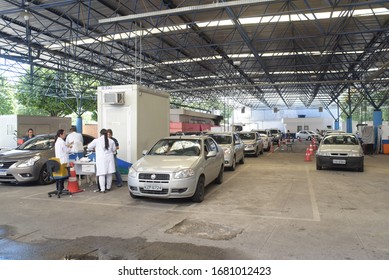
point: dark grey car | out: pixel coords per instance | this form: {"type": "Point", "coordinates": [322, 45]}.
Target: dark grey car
{"type": "Point", "coordinates": [27, 163]}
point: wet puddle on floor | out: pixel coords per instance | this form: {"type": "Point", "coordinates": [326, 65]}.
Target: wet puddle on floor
{"type": "Point", "coordinates": [106, 248]}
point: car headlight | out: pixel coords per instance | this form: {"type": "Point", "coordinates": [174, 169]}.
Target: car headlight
{"type": "Point", "coordinates": [184, 173]}
{"type": "Point", "coordinates": [355, 154]}
{"type": "Point", "coordinates": [132, 172]}
{"type": "Point", "coordinates": [29, 162]}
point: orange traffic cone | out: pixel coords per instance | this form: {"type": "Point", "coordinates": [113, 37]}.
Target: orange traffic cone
{"type": "Point", "coordinates": [307, 155]}
{"type": "Point", "coordinates": [314, 144]}
{"type": "Point", "coordinates": [311, 149]}
{"type": "Point", "coordinates": [72, 181]}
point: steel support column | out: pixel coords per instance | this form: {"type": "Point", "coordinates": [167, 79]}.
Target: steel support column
{"type": "Point", "coordinates": [377, 121]}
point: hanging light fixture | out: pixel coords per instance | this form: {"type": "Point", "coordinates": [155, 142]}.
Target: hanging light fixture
{"type": "Point", "coordinates": [26, 14]}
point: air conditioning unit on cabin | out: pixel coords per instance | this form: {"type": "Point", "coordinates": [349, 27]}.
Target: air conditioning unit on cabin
{"type": "Point", "coordinates": [114, 98]}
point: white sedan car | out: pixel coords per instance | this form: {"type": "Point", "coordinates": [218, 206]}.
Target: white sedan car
{"type": "Point", "coordinates": [177, 167]}
{"type": "Point", "coordinates": [266, 142]}
{"type": "Point", "coordinates": [253, 143]}
{"type": "Point", "coordinates": [232, 146]}
{"type": "Point", "coordinates": [308, 135]}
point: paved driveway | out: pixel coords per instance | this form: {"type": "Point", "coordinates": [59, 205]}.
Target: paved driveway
{"type": "Point", "coordinates": [276, 206]}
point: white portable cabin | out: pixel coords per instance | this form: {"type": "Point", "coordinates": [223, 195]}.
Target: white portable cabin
{"type": "Point", "coordinates": [137, 115]}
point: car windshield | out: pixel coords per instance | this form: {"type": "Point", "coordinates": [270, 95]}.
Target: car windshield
{"type": "Point", "coordinates": [222, 139]}
{"type": "Point", "coordinates": [38, 143]}
{"type": "Point", "coordinates": [176, 147]}
{"type": "Point", "coordinates": [340, 140]}
{"type": "Point", "coordinates": [247, 136]}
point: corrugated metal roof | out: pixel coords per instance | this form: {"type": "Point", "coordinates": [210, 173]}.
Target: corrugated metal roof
{"type": "Point", "coordinates": [257, 53]}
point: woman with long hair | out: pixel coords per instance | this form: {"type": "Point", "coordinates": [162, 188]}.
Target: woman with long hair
{"type": "Point", "coordinates": [105, 162]}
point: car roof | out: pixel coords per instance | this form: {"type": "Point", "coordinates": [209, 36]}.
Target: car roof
{"type": "Point", "coordinates": [335, 132]}
{"type": "Point", "coordinates": [45, 135]}
{"type": "Point", "coordinates": [189, 137]}
{"type": "Point", "coordinates": [243, 132]}
{"type": "Point", "coordinates": [220, 133]}
{"type": "Point", "coordinates": [341, 134]}
{"type": "Point", "coordinates": [53, 134]}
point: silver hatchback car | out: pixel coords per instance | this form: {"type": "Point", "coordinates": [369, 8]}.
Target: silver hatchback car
{"type": "Point", "coordinates": [232, 146]}
{"type": "Point", "coordinates": [177, 167]}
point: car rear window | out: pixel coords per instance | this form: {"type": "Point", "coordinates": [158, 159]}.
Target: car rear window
{"type": "Point", "coordinates": [340, 140]}
{"type": "Point", "coordinates": [222, 139]}
{"type": "Point", "coordinates": [247, 136]}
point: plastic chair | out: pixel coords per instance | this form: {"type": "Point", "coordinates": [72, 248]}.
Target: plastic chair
{"type": "Point", "coordinates": [58, 172]}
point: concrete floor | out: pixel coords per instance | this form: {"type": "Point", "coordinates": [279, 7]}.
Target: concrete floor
{"type": "Point", "coordinates": [276, 206]}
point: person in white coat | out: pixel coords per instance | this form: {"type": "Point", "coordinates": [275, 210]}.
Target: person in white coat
{"type": "Point", "coordinates": [105, 162]}
{"type": "Point", "coordinates": [75, 139]}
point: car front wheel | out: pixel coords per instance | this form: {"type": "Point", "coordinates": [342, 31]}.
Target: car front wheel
{"type": "Point", "coordinates": [45, 177]}
{"type": "Point", "coordinates": [242, 160]}
{"type": "Point", "coordinates": [233, 164]}
{"type": "Point", "coordinates": [200, 188]}
{"type": "Point", "coordinates": [219, 178]}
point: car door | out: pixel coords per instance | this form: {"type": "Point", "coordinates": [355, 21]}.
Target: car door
{"type": "Point", "coordinates": [239, 147]}
{"type": "Point", "coordinates": [212, 164]}
{"type": "Point", "coordinates": [259, 142]}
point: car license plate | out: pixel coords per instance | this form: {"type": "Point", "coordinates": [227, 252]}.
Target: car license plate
{"type": "Point", "coordinates": [152, 188]}
{"type": "Point", "coordinates": [339, 161]}
{"type": "Point", "coordinates": [3, 172]}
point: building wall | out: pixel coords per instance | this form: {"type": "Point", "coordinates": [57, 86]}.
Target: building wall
{"type": "Point", "coordinates": [262, 119]}
{"type": "Point", "coordinates": [90, 129]}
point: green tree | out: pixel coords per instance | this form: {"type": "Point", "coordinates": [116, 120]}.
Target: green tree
{"type": "Point", "coordinates": [56, 93]}
{"type": "Point", "coordinates": [7, 103]}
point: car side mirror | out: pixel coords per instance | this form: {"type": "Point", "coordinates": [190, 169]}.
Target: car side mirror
{"type": "Point", "coordinates": [144, 152]}
{"type": "Point", "coordinates": [211, 154]}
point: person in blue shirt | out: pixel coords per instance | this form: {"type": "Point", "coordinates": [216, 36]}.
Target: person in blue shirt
{"type": "Point", "coordinates": [30, 134]}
